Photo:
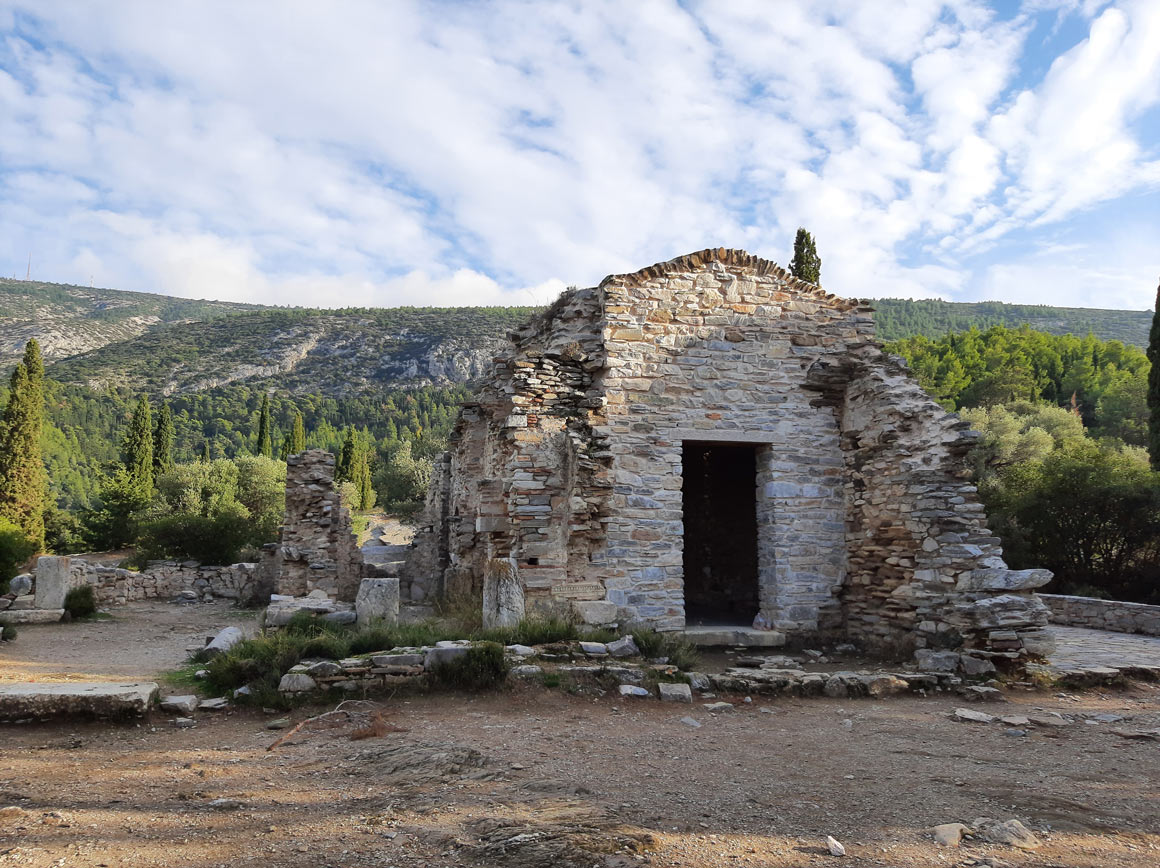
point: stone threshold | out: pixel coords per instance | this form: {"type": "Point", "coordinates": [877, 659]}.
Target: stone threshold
{"type": "Point", "coordinates": [744, 637]}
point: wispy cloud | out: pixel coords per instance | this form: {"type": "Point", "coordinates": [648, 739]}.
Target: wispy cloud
{"type": "Point", "coordinates": [413, 153]}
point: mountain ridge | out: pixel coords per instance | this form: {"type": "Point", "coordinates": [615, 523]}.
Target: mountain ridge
{"type": "Point", "coordinates": [167, 345]}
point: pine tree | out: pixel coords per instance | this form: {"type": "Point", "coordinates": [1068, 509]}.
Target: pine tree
{"type": "Point", "coordinates": [806, 264]}
{"type": "Point", "coordinates": [265, 438]}
{"type": "Point", "coordinates": [137, 447]}
{"type": "Point", "coordinates": [23, 484]}
{"type": "Point", "coordinates": [298, 434]}
{"type": "Point", "coordinates": [163, 435]}
{"type": "Point", "coordinates": [1154, 387]}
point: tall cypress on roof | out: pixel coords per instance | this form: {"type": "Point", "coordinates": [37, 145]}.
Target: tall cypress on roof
{"type": "Point", "coordinates": [806, 264]}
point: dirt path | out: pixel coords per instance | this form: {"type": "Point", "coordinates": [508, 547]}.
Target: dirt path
{"type": "Point", "coordinates": [532, 779]}
{"type": "Point", "coordinates": [140, 641]}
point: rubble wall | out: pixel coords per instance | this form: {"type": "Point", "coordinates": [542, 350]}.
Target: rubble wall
{"type": "Point", "coordinates": [165, 580]}
{"type": "Point", "coordinates": [317, 549]}
{"type": "Point", "coordinates": [1096, 614]}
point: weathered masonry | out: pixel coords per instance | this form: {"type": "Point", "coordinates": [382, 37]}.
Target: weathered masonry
{"type": "Point", "coordinates": [712, 441]}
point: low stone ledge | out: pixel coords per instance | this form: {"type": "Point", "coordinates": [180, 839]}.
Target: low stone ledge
{"type": "Point", "coordinates": [1115, 615]}
{"type": "Point", "coordinates": [31, 616]}
{"type": "Point", "coordinates": [96, 699]}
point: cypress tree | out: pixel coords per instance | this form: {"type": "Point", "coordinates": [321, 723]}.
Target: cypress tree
{"type": "Point", "coordinates": [298, 434]}
{"type": "Point", "coordinates": [137, 447]}
{"type": "Point", "coordinates": [344, 472]}
{"type": "Point", "coordinates": [1154, 387]}
{"type": "Point", "coordinates": [265, 438]}
{"type": "Point", "coordinates": [284, 452]}
{"type": "Point", "coordinates": [23, 484]}
{"type": "Point", "coordinates": [362, 479]}
{"type": "Point", "coordinates": [163, 441]}
{"type": "Point", "coordinates": [806, 264]}
{"type": "Point", "coordinates": [204, 457]}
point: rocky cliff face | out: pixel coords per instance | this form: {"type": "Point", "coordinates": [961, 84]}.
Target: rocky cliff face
{"type": "Point", "coordinates": [332, 353]}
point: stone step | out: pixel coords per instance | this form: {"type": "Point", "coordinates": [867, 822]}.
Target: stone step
{"type": "Point", "coordinates": [38, 700]}
{"type": "Point", "coordinates": [747, 637]}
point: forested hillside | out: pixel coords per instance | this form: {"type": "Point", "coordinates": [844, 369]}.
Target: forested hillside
{"type": "Point", "coordinates": [902, 318]}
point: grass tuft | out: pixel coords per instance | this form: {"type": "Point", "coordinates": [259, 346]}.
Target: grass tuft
{"type": "Point", "coordinates": [482, 667]}
{"type": "Point", "coordinates": [680, 651]}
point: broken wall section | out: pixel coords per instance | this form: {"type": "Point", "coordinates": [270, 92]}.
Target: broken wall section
{"type": "Point", "coordinates": [923, 567]}
{"type": "Point", "coordinates": [525, 477]}
{"type": "Point", "coordinates": [317, 549]}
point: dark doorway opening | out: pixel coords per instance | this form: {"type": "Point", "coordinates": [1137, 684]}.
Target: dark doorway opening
{"type": "Point", "coordinates": [719, 493]}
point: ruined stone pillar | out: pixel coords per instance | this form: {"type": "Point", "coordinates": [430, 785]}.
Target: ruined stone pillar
{"type": "Point", "coordinates": [52, 582]}
{"type": "Point", "coordinates": [503, 594]}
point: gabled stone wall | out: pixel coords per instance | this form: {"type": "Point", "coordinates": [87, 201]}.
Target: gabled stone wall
{"type": "Point", "coordinates": [569, 461]}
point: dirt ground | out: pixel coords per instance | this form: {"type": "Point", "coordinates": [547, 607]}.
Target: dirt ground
{"type": "Point", "coordinates": [140, 641]}
{"type": "Point", "coordinates": [541, 778]}
{"type": "Point", "coordinates": [533, 778]}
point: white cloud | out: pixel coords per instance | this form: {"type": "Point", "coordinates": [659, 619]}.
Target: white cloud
{"type": "Point", "coordinates": [370, 153]}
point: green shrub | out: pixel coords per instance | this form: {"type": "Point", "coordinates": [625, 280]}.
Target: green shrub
{"type": "Point", "coordinates": [206, 539]}
{"type": "Point", "coordinates": [481, 667]}
{"type": "Point", "coordinates": [80, 602]}
{"type": "Point", "coordinates": [8, 632]}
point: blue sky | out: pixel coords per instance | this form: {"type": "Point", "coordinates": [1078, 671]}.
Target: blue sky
{"type": "Point", "coordinates": [368, 153]}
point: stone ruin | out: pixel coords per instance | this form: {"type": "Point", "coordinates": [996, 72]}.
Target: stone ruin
{"type": "Point", "coordinates": [712, 442]}
{"type": "Point", "coordinates": [317, 565]}
{"type": "Point", "coordinates": [317, 550]}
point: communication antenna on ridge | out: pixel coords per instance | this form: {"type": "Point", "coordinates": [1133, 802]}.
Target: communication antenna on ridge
{"type": "Point", "coordinates": [28, 273]}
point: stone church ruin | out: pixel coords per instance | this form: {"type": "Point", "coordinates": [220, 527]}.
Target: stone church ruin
{"type": "Point", "coordinates": [711, 443]}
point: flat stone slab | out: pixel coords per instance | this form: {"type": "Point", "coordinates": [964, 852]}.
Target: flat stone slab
{"type": "Point", "coordinates": [744, 636]}
{"type": "Point", "coordinates": [31, 616]}
{"type": "Point", "coordinates": [1085, 654]}
{"type": "Point", "coordinates": [94, 699]}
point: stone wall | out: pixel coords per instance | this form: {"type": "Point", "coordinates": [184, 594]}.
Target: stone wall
{"type": "Point", "coordinates": [1096, 614]}
{"type": "Point", "coordinates": [317, 550]}
{"type": "Point", "coordinates": [165, 580]}
{"type": "Point", "coordinates": [569, 463]}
